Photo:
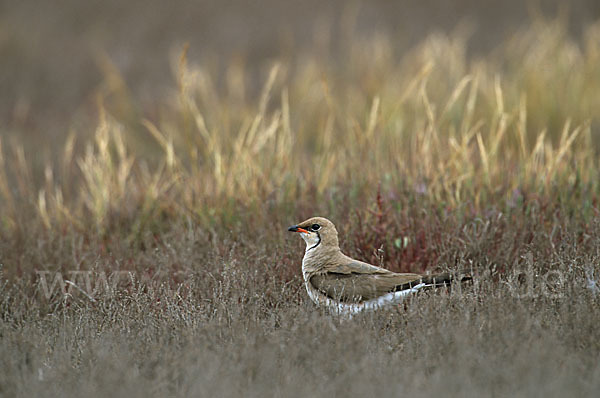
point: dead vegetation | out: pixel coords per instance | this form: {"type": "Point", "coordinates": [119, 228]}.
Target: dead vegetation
{"type": "Point", "coordinates": [152, 260]}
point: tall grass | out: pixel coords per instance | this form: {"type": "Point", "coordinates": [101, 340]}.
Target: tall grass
{"type": "Point", "coordinates": [432, 120]}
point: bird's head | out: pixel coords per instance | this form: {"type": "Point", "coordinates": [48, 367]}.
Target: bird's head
{"type": "Point", "coordinates": [316, 232]}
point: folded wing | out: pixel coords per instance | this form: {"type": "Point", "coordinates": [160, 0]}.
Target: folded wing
{"type": "Point", "coordinates": [357, 287]}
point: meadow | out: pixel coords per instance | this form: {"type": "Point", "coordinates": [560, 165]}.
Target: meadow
{"type": "Point", "coordinates": [149, 255]}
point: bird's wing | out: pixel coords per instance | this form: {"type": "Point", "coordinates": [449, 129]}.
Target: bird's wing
{"type": "Point", "coordinates": [357, 287]}
{"type": "Point", "coordinates": [351, 266]}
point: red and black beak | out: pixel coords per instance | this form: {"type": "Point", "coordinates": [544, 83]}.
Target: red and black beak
{"type": "Point", "coordinates": [295, 228]}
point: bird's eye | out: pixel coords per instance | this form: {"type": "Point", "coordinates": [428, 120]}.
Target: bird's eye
{"type": "Point", "coordinates": [315, 227]}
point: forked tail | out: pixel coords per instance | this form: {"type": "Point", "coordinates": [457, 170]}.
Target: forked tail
{"type": "Point", "coordinates": [445, 279]}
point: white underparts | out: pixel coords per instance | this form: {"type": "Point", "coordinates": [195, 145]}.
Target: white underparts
{"type": "Point", "coordinates": [354, 308]}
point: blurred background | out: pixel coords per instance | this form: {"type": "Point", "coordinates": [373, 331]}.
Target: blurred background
{"type": "Point", "coordinates": [54, 56]}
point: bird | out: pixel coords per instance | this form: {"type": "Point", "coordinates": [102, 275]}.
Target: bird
{"type": "Point", "coordinates": [344, 285]}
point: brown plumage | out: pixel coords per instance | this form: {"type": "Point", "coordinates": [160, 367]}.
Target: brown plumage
{"type": "Point", "coordinates": [339, 282]}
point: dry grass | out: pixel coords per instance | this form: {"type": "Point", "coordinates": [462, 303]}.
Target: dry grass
{"type": "Point", "coordinates": [231, 318]}
{"type": "Point", "coordinates": [429, 159]}
{"type": "Point", "coordinates": [433, 121]}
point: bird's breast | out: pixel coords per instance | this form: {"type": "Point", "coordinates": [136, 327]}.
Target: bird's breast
{"type": "Point", "coordinates": [311, 263]}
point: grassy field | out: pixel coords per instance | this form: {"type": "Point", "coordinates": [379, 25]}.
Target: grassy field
{"type": "Point", "coordinates": [149, 256]}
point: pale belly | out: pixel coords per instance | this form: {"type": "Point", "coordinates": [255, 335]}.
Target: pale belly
{"type": "Point", "coordinates": [335, 306]}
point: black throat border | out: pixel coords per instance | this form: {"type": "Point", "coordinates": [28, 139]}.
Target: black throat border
{"type": "Point", "coordinates": [317, 244]}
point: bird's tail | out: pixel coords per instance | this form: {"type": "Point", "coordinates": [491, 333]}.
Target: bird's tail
{"type": "Point", "coordinates": [432, 281]}
{"type": "Point", "coordinates": [445, 279]}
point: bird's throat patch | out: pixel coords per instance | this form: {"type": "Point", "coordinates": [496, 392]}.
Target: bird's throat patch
{"type": "Point", "coordinates": [312, 239]}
